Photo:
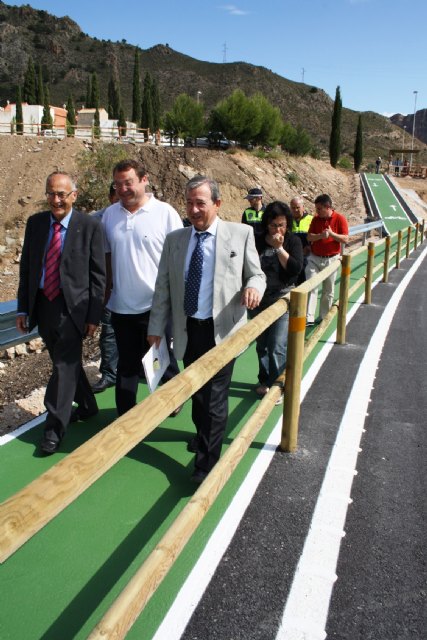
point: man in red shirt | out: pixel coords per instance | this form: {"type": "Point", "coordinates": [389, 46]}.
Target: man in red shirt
{"type": "Point", "coordinates": [327, 231]}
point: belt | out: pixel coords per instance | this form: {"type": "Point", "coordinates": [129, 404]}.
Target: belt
{"type": "Point", "coordinates": [199, 321]}
{"type": "Point", "coordinates": [332, 255]}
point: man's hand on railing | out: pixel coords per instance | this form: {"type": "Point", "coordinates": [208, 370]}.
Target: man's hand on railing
{"type": "Point", "coordinates": [251, 298]}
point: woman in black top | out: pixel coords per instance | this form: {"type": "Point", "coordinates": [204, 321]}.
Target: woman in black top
{"type": "Point", "coordinates": [281, 257]}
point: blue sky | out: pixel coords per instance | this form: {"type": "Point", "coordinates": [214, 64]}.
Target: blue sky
{"type": "Point", "coordinates": [376, 50]}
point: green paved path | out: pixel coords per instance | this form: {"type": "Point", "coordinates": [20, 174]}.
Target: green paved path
{"type": "Point", "coordinates": [391, 211]}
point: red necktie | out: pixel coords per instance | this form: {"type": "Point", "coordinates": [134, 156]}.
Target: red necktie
{"type": "Point", "coordinates": [53, 258]}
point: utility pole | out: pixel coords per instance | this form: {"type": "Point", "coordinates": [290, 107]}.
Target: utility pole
{"type": "Point", "coordinates": [224, 52]}
{"type": "Point", "coordinates": [413, 128]}
{"type": "Point", "coordinates": [303, 72]}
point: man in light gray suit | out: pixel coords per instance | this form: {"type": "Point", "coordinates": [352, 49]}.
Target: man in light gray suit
{"type": "Point", "coordinates": [209, 275]}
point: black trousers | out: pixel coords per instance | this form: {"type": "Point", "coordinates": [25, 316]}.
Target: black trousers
{"type": "Point", "coordinates": [210, 403]}
{"type": "Point", "coordinates": [68, 381]}
{"type": "Point", "coordinates": [132, 345]}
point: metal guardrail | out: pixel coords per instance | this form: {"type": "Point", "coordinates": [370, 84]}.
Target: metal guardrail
{"type": "Point", "coordinates": [9, 335]}
{"type": "Point", "coordinates": [365, 229]}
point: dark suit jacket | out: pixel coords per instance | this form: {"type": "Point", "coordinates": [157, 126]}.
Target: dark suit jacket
{"type": "Point", "coordinates": [82, 268]}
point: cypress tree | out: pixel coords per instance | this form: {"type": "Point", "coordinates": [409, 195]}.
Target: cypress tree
{"type": "Point", "coordinates": [121, 123]}
{"type": "Point", "coordinates": [19, 114]}
{"type": "Point", "coordinates": [136, 94]}
{"type": "Point", "coordinates": [155, 100]}
{"type": "Point", "coordinates": [71, 116]}
{"type": "Point", "coordinates": [96, 124]}
{"type": "Point", "coordinates": [114, 100]}
{"type": "Point", "coordinates": [46, 122]}
{"type": "Point", "coordinates": [147, 104]}
{"type": "Point", "coordinates": [39, 85]}
{"type": "Point", "coordinates": [335, 139]}
{"type": "Point", "coordinates": [29, 90]}
{"type": "Point", "coordinates": [94, 94]}
{"type": "Point", "coordinates": [88, 104]}
{"type": "Point", "coordinates": [358, 146]}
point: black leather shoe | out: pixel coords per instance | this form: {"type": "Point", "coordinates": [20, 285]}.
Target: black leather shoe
{"type": "Point", "coordinates": [176, 411]}
{"type": "Point", "coordinates": [198, 476]}
{"type": "Point", "coordinates": [49, 446]}
{"type": "Point", "coordinates": [79, 413]}
{"type": "Point", "coordinates": [101, 385]}
{"type": "Point", "coordinates": [193, 445]}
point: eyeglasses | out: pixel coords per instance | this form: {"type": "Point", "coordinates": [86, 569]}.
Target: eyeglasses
{"type": "Point", "coordinates": [59, 194]}
{"type": "Point", "coordinates": [281, 225]}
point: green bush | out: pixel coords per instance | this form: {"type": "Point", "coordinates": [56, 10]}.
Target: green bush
{"type": "Point", "coordinates": [345, 163]}
{"type": "Point", "coordinates": [292, 178]}
{"type": "Point", "coordinates": [95, 168]}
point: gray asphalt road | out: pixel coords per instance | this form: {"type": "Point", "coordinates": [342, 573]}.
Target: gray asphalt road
{"type": "Point", "coordinates": [381, 588]}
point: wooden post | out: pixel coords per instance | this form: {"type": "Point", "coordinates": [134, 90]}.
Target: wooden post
{"type": "Point", "coordinates": [343, 298]}
{"type": "Point", "coordinates": [386, 258]}
{"type": "Point", "coordinates": [399, 248]}
{"type": "Point", "coordinates": [408, 242]}
{"type": "Point", "coordinates": [295, 360]}
{"type": "Point", "coordinates": [416, 236]}
{"type": "Point", "coordinates": [422, 231]}
{"type": "Point", "coordinates": [369, 270]}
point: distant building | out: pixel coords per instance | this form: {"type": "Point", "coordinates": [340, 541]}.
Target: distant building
{"type": "Point", "coordinates": [32, 116]}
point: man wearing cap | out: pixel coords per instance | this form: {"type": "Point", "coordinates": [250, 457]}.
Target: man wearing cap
{"type": "Point", "coordinates": [253, 214]}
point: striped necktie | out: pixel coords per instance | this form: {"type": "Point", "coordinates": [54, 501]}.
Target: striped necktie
{"type": "Point", "coordinates": [51, 287]}
{"type": "Point", "coordinates": [194, 276]}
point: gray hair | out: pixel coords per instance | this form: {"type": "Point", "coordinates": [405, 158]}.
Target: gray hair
{"type": "Point", "coordinates": [62, 173]}
{"type": "Point", "coordinates": [198, 180]}
{"type": "Point", "coordinates": [297, 199]}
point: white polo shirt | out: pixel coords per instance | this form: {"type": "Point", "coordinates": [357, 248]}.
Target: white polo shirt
{"type": "Point", "coordinates": [135, 241]}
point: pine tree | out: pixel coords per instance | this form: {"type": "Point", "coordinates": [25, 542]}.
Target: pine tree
{"type": "Point", "coordinates": [88, 103]}
{"type": "Point", "coordinates": [39, 85]}
{"type": "Point", "coordinates": [335, 139]}
{"type": "Point", "coordinates": [71, 116]}
{"type": "Point", "coordinates": [147, 104]}
{"type": "Point", "coordinates": [94, 94]}
{"type": "Point", "coordinates": [19, 113]}
{"type": "Point", "coordinates": [29, 90]}
{"type": "Point", "coordinates": [155, 100]}
{"type": "Point", "coordinates": [358, 146]}
{"type": "Point", "coordinates": [47, 122]}
{"type": "Point", "coordinates": [136, 95]}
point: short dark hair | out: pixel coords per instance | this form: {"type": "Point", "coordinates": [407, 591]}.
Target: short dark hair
{"type": "Point", "coordinates": [324, 199]}
{"type": "Point", "coordinates": [272, 211]}
{"type": "Point", "coordinates": [125, 165]}
{"type": "Point", "coordinates": [112, 190]}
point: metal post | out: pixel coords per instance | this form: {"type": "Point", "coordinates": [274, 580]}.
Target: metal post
{"type": "Point", "coordinates": [294, 365]}
{"type": "Point", "coordinates": [408, 242]}
{"type": "Point", "coordinates": [386, 258]}
{"type": "Point", "coordinates": [369, 272]}
{"type": "Point", "coordinates": [343, 298]}
{"type": "Point", "coordinates": [399, 248]}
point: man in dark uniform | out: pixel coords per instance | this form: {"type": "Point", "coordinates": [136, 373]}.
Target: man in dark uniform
{"type": "Point", "coordinates": [252, 215]}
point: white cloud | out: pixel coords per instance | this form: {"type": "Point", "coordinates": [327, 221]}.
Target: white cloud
{"type": "Point", "coordinates": [233, 10]}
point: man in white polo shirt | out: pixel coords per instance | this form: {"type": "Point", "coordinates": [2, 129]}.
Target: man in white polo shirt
{"type": "Point", "coordinates": [135, 231]}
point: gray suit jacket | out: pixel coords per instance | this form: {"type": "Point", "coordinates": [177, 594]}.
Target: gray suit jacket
{"type": "Point", "coordinates": [82, 267]}
{"type": "Point", "coordinates": [237, 267]}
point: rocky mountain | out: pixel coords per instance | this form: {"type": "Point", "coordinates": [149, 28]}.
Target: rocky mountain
{"type": "Point", "coordinates": [68, 56]}
{"type": "Point", "coordinates": [407, 123]}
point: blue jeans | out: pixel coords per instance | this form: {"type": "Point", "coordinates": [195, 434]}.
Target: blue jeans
{"type": "Point", "coordinates": [271, 348]}
{"type": "Point", "coordinates": [108, 347]}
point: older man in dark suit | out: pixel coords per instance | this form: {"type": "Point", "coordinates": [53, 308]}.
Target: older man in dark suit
{"type": "Point", "coordinates": [61, 289]}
